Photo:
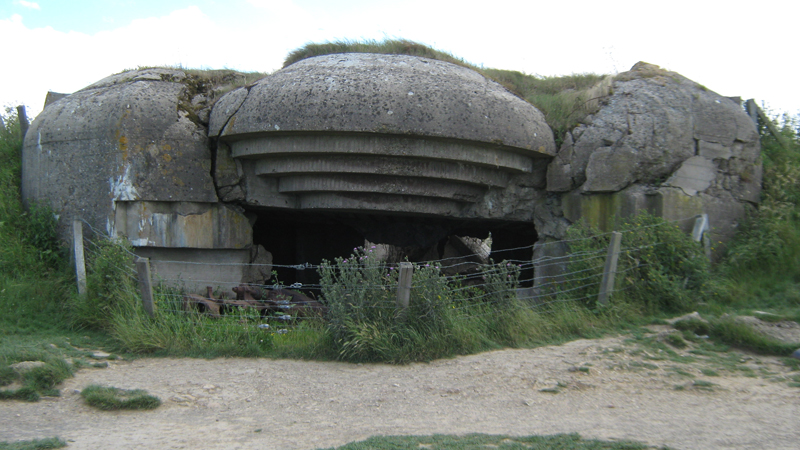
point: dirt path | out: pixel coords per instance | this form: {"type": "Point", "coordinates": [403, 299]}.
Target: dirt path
{"type": "Point", "coordinates": [622, 392]}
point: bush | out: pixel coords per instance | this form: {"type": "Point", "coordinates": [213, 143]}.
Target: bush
{"type": "Point", "coordinates": [762, 263]}
{"type": "Point", "coordinates": [444, 316]}
{"type": "Point", "coordinates": [661, 269]}
{"type": "Point", "coordinates": [110, 285]}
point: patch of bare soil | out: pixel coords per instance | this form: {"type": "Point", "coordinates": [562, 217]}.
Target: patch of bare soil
{"type": "Point", "coordinates": [612, 388]}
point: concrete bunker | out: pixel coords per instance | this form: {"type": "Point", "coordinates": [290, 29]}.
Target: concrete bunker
{"type": "Point", "coordinates": [336, 151]}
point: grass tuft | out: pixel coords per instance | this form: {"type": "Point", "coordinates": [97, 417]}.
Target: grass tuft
{"type": "Point", "coordinates": [477, 441]}
{"type": "Point", "coordinates": [111, 398]}
{"type": "Point", "coordinates": [36, 444]}
{"type": "Point", "coordinates": [729, 331]}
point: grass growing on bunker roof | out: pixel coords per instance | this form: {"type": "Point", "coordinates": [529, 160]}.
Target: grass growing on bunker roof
{"type": "Point", "coordinates": [565, 101]}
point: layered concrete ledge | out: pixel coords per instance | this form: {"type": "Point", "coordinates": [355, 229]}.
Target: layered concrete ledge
{"type": "Point", "coordinates": [495, 156]}
{"type": "Point", "coordinates": [425, 187]}
{"type": "Point", "coordinates": [378, 133]}
{"type": "Point", "coordinates": [381, 165]}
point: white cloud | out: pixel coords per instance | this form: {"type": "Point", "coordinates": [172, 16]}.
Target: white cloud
{"type": "Point", "coordinates": [31, 5]}
{"type": "Point", "coordinates": [542, 38]}
{"type": "Point", "coordinates": [68, 61]}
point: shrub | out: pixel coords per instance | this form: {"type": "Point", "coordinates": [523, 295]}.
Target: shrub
{"type": "Point", "coordinates": [444, 316]}
{"type": "Point", "coordinates": [660, 267]}
{"type": "Point", "coordinates": [109, 282]}
{"type": "Point", "coordinates": [762, 263]}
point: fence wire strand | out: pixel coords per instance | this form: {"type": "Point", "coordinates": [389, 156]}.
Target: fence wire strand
{"type": "Point", "coordinates": [477, 280]}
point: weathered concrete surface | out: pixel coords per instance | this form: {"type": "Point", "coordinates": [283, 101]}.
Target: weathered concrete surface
{"type": "Point", "coordinates": [123, 138]}
{"type": "Point", "coordinates": [653, 121]}
{"type": "Point", "coordinates": [400, 149]}
{"type": "Point", "coordinates": [661, 143]}
{"type": "Point", "coordinates": [381, 133]}
{"type": "Point", "coordinates": [386, 94]}
{"type": "Point", "coordinates": [182, 225]}
{"type": "Point", "coordinates": [194, 269]}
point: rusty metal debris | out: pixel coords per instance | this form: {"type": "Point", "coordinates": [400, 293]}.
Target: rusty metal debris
{"type": "Point", "coordinates": [280, 303]}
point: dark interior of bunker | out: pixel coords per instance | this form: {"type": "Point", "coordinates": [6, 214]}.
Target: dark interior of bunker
{"type": "Point", "coordinates": [299, 237]}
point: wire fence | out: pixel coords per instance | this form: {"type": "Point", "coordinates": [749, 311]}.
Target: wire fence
{"type": "Point", "coordinates": [369, 283]}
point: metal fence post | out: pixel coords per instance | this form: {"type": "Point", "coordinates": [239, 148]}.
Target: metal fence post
{"type": "Point", "coordinates": [145, 284]}
{"type": "Point", "coordinates": [404, 284]}
{"type": "Point", "coordinates": [610, 269]}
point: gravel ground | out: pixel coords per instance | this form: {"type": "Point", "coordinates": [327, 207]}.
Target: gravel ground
{"type": "Point", "coordinates": [606, 388]}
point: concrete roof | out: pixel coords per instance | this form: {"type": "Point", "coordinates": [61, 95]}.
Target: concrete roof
{"type": "Point", "coordinates": [386, 94]}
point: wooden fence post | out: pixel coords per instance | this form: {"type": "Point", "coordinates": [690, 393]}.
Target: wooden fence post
{"type": "Point", "coordinates": [145, 284]}
{"type": "Point", "coordinates": [404, 284]}
{"type": "Point", "coordinates": [699, 233]}
{"type": "Point", "coordinates": [78, 256]}
{"type": "Point", "coordinates": [700, 227]}
{"type": "Point", "coordinates": [607, 284]}
{"type": "Point", "coordinates": [23, 120]}
{"type": "Point", "coordinates": [751, 105]}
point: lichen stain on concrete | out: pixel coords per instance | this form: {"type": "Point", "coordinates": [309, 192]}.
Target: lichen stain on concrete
{"type": "Point", "coordinates": [123, 145]}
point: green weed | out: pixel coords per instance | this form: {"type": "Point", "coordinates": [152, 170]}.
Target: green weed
{"type": "Point", "coordinates": [703, 385]}
{"type": "Point", "coordinates": [36, 444]}
{"type": "Point", "coordinates": [111, 398]}
{"type": "Point", "coordinates": [740, 335]}
{"type": "Point", "coordinates": [476, 441]}
{"type": "Point", "coordinates": [675, 340]}
{"type": "Point", "coordinates": [668, 277]}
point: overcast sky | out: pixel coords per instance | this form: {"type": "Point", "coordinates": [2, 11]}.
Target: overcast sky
{"type": "Point", "coordinates": [735, 48]}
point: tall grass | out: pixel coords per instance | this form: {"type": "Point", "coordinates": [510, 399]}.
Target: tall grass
{"type": "Point", "coordinates": [762, 265]}
{"type": "Point", "coordinates": [33, 267]}
{"type": "Point", "coordinates": [445, 317]}
{"type": "Point", "coordinates": [660, 271]}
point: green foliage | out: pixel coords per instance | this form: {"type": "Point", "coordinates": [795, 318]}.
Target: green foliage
{"type": "Point", "coordinates": [660, 269]}
{"type": "Point", "coordinates": [698, 327]}
{"type": "Point", "coordinates": [675, 340]}
{"type": "Point", "coordinates": [111, 398]}
{"type": "Point", "coordinates": [173, 331]}
{"type": "Point", "coordinates": [737, 334]}
{"type": "Point", "coordinates": [762, 264]}
{"type": "Point", "coordinates": [388, 46]}
{"type": "Point", "coordinates": [35, 382]}
{"type": "Point", "coordinates": [444, 317]}
{"type": "Point", "coordinates": [36, 444]}
{"type": "Point", "coordinates": [481, 441]}
{"type": "Point", "coordinates": [29, 241]}
{"type": "Point", "coordinates": [110, 285]}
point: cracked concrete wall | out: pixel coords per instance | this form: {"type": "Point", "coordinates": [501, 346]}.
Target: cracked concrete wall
{"type": "Point", "coordinates": [661, 143]}
{"type": "Point", "coordinates": [384, 134]}
{"type": "Point", "coordinates": [146, 155]}
{"type": "Point", "coordinates": [130, 155]}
